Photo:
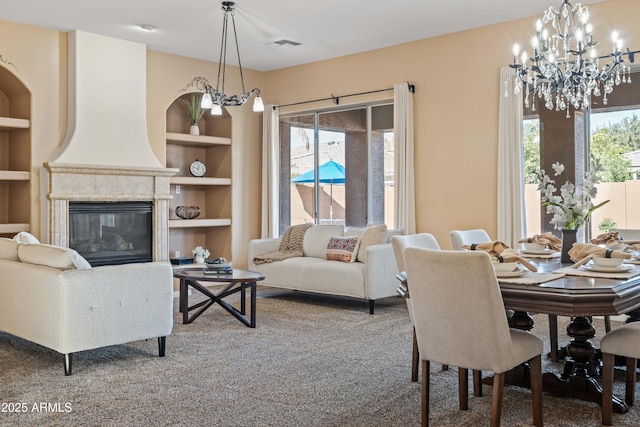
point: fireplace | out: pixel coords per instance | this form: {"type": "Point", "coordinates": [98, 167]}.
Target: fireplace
{"type": "Point", "coordinates": [108, 233]}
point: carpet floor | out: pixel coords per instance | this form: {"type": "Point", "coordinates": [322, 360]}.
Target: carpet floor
{"type": "Point", "coordinates": [312, 360]}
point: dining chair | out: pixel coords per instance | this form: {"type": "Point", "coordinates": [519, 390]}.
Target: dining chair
{"type": "Point", "coordinates": [466, 237]}
{"type": "Point", "coordinates": [459, 320]}
{"type": "Point", "coordinates": [399, 244]}
{"type": "Point", "coordinates": [623, 341]}
{"type": "Point", "coordinates": [479, 235]}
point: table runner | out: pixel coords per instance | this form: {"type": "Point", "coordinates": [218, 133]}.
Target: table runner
{"type": "Point", "coordinates": [585, 273]}
{"type": "Point", "coordinates": [532, 278]}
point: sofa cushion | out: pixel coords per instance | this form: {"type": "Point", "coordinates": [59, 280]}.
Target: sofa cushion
{"type": "Point", "coordinates": [350, 231]}
{"type": "Point", "coordinates": [343, 249]}
{"type": "Point", "coordinates": [372, 235]}
{"type": "Point", "coordinates": [52, 256]}
{"type": "Point", "coordinates": [8, 249]}
{"type": "Point", "coordinates": [293, 237]}
{"type": "Point", "coordinates": [316, 239]}
{"type": "Point", "coordinates": [25, 237]}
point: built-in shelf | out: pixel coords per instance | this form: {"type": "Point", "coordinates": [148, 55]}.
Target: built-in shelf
{"type": "Point", "coordinates": [15, 155]}
{"type": "Point", "coordinates": [10, 123]}
{"type": "Point", "coordinates": [14, 175]}
{"type": "Point", "coordinates": [196, 140]}
{"type": "Point", "coordinates": [13, 228]}
{"type": "Point", "coordinates": [187, 180]}
{"type": "Point", "coordinates": [195, 223]}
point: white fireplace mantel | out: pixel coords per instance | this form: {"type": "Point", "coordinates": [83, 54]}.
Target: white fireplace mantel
{"type": "Point", "coordinates": [80, 182]}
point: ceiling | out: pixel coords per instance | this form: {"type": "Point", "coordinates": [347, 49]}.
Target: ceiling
{"type": "Point", "coordinates": [325, 28]}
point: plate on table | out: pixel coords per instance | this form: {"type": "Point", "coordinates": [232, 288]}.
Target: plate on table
{"type": "Point", "coordinates": [545, 251]}
{"type": "Point", "coordinates": [516, 273]}
{"type": "Point", "coordinates": [599, 269]}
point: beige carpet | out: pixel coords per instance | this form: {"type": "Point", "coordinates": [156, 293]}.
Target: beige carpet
{"type": "Point", "coordinates": [312, 361]}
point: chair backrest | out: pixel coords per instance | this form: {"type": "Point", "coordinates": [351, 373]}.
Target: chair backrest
{"type": "Point", "coordinates": [457, 307]}
{"type": "Point", "coordinates": [420, 240]}
{"type": "Point", "coordinates": [466, 237]}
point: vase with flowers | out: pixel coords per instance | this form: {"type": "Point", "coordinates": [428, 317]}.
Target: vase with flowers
{"type": "Point", "coordinates": [573, 206]}
{"type": "Point", "coordinates": [200, 254]}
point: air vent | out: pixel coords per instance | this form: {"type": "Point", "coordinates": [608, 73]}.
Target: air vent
{"type": "Point", "coordinates": [285, 44]}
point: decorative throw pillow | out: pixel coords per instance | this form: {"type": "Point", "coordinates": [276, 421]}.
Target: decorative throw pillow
{"type": "Point", "coordinates": [8, 249]}
{"type": "Point", "coordinates": [25, 237]}
{"type": "Point", "coordinates": [343, 249]}
{"type": "Point", "coordinates": [372, 235]}
{"type": "Point", "coordinates": [52, 256]}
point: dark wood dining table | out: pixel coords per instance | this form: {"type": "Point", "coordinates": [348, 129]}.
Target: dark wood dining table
{"type": "Point", "coordinates": [579, 298]}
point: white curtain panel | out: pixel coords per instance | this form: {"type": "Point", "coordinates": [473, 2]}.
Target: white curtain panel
{"type": "Point", "coordinates": [404, 189]}
{"type": "Point", "coordinates": [270, 172]}
{"type": "Point", "coordinates": [511, 212]}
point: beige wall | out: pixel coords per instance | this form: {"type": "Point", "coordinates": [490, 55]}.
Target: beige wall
{"type": "Point", "coordinates": [455, 106]}
{"type": "Point", "coordinates": [456, 109]}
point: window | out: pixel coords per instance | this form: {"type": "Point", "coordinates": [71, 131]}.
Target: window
{"type": "Point", "coordinates": [352, 152]}
{"type": "Point", "coordinates": [614, 141]}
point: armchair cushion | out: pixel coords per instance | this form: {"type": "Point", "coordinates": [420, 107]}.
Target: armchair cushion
{"type": "Point", "coordinates": [372, 235]}
{"type": "Point", "coordinates": [52, 256]}
{"type": "Point", "coordinates": [316, 239]}
{"type": "Point", "coordinates": [8, 249]}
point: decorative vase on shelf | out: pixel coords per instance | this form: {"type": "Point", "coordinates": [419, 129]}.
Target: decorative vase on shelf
{"type": "Point", "coordinates": [194, 130]}
{"type": "Point", "coordinates": [199, 259]}
{"type": "Point", "coordinates": [568, 239]}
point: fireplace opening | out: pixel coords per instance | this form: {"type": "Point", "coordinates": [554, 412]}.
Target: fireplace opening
{"type": "Point", "coordinates": [111, 233]}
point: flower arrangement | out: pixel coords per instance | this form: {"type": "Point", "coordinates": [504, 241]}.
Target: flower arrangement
{"type": "Point", "coordinates": [199, 251]}
{"type": "Point", "coordinates": [573, 207]}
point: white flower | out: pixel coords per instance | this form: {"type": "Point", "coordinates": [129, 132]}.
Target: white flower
{"type": "Point", "coordinates": [572, 207]}
{"type": "Point", "coordinates": [199, 251]}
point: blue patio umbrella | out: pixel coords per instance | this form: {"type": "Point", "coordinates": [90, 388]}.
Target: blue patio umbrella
{"type": "Point", "coordinates": [328, 173]}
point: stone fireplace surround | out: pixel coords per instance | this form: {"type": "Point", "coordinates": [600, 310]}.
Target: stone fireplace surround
{"type": "Point", "coordinates": [94, 183]}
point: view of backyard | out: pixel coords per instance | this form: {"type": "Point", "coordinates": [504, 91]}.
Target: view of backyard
{"type": "Point", "coordinates": [615, 144]}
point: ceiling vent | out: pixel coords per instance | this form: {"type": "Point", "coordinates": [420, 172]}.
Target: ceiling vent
{"type": "Point", "coordinates": [285, 44]}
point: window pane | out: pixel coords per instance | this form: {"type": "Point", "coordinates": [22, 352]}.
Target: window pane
{"type": "Point", "coordinates": [351, 162]}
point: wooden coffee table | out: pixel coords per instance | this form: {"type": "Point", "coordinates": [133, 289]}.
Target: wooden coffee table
{"type": "Point", "coordinates": [237, 281]}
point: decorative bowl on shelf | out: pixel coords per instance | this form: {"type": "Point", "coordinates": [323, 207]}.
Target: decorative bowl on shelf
{"type": "Point", "coordinates": [188, 212]}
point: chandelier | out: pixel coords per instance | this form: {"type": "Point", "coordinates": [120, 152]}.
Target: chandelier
{"type": "Point", "coordinates": [565, 69]}
{"type": "Point", "coordinates": [216, 98]}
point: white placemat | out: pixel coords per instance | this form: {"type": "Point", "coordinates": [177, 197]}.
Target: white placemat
{"type": "Point", "coordinates": [632, 261]}
{"type": "Point", "coordinates": [532, 278]}
{"type": "Point", "coordinates": [587, 273]}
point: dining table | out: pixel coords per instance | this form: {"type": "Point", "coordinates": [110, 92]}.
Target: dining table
{"type": "Point", "coordinates": [558, 289]}
{"type": "Point", "coordinates": [580, 293]}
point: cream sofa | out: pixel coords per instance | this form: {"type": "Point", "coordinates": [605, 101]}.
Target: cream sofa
{"type": "Point", "coordinates": [52, 297]}
{"type": "Point", "coordinates": [372, 279]}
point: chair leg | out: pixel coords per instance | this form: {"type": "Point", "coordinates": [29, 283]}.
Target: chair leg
{"type": "Point", "coordinates": [425, 393]}
{"type": "Point", "coordinates": [445, 367]}
{"type": "Point", "coordinates": [463, 388]}
{"type": "Point", "coordinates": [535, 376]}
{"type": "Point", "coordinates": [477, 383]}
{"type": "Point", "coordinates": [607, 388]}
{"type": "Point", "coordinates": [553, 337]}
{"type": "Point", "coordinates": [415, 360]}
{"type": "Point", "coordinates": [631, 381]}
{"type": "Point", "coordinates": [496, 399]}
{"type": "Point", "coordinates": [162, 345]}
{"type": "Point", "coordinates": [68, 364]}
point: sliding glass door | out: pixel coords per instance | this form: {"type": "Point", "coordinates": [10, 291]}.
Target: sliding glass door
{"type": "Point", "coordinates": [337, 167]}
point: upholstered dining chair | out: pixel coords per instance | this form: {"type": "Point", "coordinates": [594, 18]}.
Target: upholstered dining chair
{"type": "Point", "coordinates": [466, 237]}
{"type": "Point", "coordinates": [400, 243]}
{"type": "Point", "coordinates": [459, 320]}
{"type": "Point", "coordinates": [622, 341]}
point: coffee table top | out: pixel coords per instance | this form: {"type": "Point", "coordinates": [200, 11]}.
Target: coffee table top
{"type": "Point", "coordinates": [237, 275]}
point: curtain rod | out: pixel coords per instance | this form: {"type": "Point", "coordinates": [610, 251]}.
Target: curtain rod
{"type": "Point", "coordinates": [336, 99]}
